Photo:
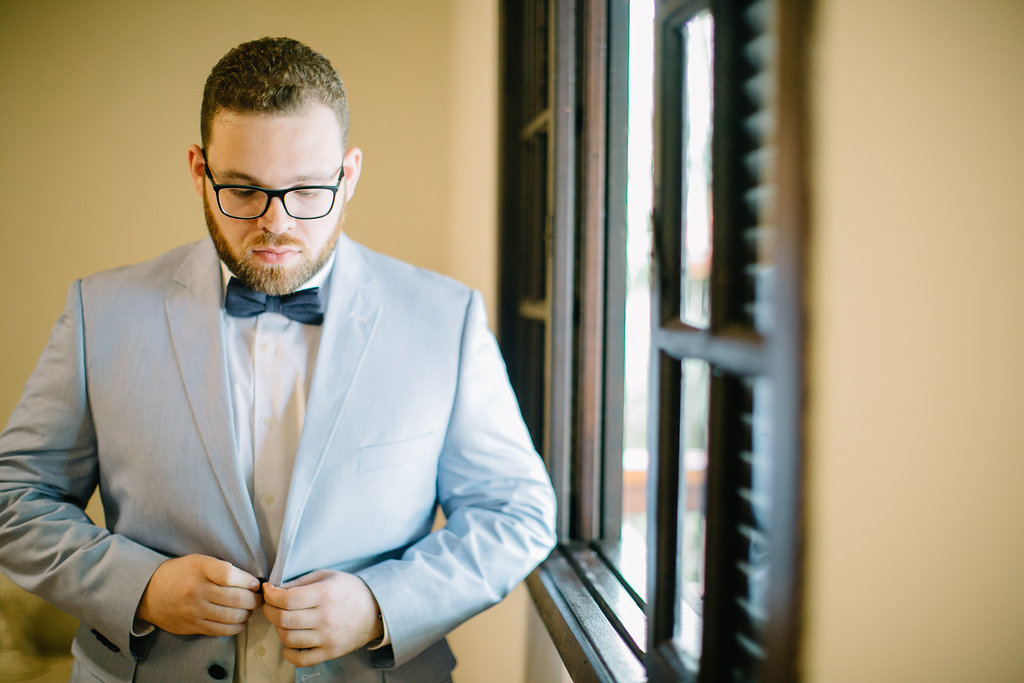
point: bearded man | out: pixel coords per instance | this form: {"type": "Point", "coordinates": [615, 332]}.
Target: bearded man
{"type": "Point", "coordinates": [273, 417]}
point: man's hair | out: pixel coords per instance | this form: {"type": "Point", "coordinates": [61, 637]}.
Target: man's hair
{"type": "Point", "coordinates": [272, 75]}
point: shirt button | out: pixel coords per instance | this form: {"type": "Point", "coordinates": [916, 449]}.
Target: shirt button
{"type": "Point", "coordinates": [269, 348]}
{"type": "Point", "coordinates": [260, 650]}
{"type": "Point", "coordinates": [268, 421]}
{"type": "Point", "coordinates": [268, 499]}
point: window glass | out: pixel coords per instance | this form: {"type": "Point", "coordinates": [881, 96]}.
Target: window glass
{"type": "Point", "coordinates": [695, 308]}
{"type": "Point", "coordinates": [696, 190]}
{"type": "Point", "coordinates": [639, 193]}
{"type": "Point", "coordinates": [693, 439]}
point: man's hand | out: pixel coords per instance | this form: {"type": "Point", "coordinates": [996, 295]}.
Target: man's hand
{"type": "Point", "coordinates": [322, 615]}
{"type": "Point", "coordinates": [199, 595]}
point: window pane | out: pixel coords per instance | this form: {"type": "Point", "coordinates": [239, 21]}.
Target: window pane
{"type": "Point", "coordinates": [696, 190]}
{"type": "Point", "coordinates": [693, 439]}
{"type": "Point", "coordinates": [638, 294]}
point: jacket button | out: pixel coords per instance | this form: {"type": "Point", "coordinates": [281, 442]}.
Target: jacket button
{"type": "Point", "coordinates": [217, 672]}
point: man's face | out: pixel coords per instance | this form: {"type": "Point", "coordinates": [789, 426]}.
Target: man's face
{"type": "Point", "coordinates": [275, 253]}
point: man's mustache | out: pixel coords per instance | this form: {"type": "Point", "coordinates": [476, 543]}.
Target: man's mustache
{"type": "Point", "coordinates": [271, 239]}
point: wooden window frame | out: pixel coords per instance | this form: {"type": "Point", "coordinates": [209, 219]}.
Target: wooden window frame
{"type": "Point", "coordinates": [569, 378]}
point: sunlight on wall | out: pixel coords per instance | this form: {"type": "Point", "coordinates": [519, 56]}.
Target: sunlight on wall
{"type": "Point", "coordinates": [916, 379]}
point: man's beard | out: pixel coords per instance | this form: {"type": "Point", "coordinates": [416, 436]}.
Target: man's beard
{"type": "Point", "coordinates": [269, 279]}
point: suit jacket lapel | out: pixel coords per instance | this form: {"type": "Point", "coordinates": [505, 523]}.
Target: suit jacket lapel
{"type": "Point", "coordinates": [190, 314]}
{"type": "Point", "coordinates": [352, 314]}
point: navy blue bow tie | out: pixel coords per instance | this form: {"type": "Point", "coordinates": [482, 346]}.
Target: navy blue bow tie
{"type": "Point", "coordinates": [304, 306]}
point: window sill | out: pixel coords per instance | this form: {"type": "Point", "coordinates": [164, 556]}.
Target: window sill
{"type": "Point", "coordinates": [597, 625]}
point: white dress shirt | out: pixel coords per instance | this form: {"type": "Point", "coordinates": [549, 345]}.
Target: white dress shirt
{"type": "Point", "coordinates": [270, 366]}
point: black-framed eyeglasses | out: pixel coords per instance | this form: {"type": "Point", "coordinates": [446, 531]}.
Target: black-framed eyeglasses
{"type": "Point", "coordinates": [244, 202]}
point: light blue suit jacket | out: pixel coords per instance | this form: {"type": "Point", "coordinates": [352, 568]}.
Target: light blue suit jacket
{"type": "Point", "coordinates": [409, 407]}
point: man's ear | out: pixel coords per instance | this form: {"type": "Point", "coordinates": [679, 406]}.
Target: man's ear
{"type": "Point", "coordinates": [197, 167]}
{"type": "Point", "coordinates": [353, 164]}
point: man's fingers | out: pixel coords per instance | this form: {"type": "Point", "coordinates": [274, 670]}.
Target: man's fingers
{"type": "Point", "coordinates": [294, 598]}
{"type": "Point", "coordinates": [233, 597]}
{"type": "Point", "coordinates": [198, 594]}
{"type": "Point", "coordinates": [290, 619]}
{"type": "Point", "coordinates": [322, 615]}
{"type": "Point", "coordinates": [306, 657]}
{"type": "Point", "coordinates": [226, 615]}
{"type": "Point", "coordinates": [215, 628]}
{"type": "Point", "coordinates": [307, 579]}
{"type": "Point", "coordinates": [303, 639]}
{"type": "Point", "coordinates": [228, 575]}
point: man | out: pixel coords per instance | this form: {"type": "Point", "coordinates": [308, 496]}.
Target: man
{"type": "Point", "coordinates": [272, 417]}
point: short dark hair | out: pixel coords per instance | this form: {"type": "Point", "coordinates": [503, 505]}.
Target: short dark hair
{"type": "Point", "coordinates": [272, 75]}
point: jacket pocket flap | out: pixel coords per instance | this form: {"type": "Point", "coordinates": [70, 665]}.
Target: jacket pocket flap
{"type": "Point", "coordinates": [393, 453]}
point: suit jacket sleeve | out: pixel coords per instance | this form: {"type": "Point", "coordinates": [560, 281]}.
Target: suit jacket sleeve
{"type": "Point", "coordinates": [48, 471]}
{"type": "Point", "coordinates": [498, 504]}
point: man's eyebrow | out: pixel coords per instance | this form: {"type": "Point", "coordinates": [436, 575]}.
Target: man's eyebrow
{"type": "Point", "coordinates": [240, 178]}
{"type": "Point", "coordinates": [237, 177]}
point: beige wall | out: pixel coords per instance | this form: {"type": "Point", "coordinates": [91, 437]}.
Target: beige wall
{"type": "Point", "coordinates": [915, 455]}
{"type": "Point", "coordinates": [100, 100]}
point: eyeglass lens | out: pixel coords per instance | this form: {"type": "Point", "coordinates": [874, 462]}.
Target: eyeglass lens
{"type": "Point", "coordinates": [300, 203]}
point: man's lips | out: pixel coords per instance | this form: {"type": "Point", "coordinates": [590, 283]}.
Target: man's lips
{"type": "Point", "coordinates": [274, 255]}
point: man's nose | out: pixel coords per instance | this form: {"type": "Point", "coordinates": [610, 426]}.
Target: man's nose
{"type": "Point", "coordinates": [276, 219]}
